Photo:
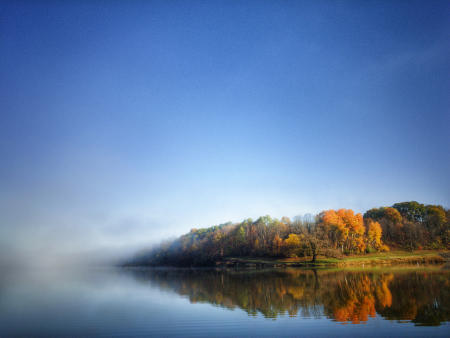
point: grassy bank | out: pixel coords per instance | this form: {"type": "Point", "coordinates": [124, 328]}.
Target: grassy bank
{"type": "Point", "coordinates": [384, 258]}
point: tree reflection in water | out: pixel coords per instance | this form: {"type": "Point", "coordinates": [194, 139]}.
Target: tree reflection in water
{"type": "Point", "coordinates": [422, 297]}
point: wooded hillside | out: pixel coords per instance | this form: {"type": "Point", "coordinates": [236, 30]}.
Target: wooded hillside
{"type": "Point", "coordinates": [331, 233]}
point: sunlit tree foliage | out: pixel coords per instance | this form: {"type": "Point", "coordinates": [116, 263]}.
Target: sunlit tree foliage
{"type": "Point", "coordinates": [408, 225]}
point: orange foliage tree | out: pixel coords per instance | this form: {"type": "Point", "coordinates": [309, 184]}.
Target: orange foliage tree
{"type": "Point", "coordinates": [345, 229]}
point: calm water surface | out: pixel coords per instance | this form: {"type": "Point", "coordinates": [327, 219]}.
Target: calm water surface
{"type": "Point", "coordinates": [165, 302]}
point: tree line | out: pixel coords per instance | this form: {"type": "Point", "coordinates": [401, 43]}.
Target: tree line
{"type": "Point", "coordinates": [331, 233]}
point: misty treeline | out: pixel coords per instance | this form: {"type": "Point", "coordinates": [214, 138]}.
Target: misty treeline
{"type": "Point", "coordinates": [331, 233]}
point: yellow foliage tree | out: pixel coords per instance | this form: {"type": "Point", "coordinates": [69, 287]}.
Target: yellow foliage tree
{"type": "Point", "coordinates": [291, 245]}
{"type": "Point", "coordinates": [374, 235]}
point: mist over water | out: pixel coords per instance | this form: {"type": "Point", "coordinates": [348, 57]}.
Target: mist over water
{"type": "Point", "coordinates": [54, 234]}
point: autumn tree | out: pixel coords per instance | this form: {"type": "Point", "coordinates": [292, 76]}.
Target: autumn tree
{"type": "Point", "coordinates": [344, 228]}
{"type": "Point", "coordinates": [291, 245]}
{"type": "Point", "coordinates": [277, 245]}
{"type": "Point", "coordinates": [391, 223]}
{"type": "Point", "coordinates": [374, 236]}
{"type": "Point", "coordinates": [314, 246]}
{"type": "Point", "coordinates": [436, 224]}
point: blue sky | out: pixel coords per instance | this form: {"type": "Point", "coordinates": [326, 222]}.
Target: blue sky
{"type": "Point", "coordinates": [130, 121]}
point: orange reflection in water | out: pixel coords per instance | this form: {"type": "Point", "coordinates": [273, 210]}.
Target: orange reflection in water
{"type": "Point", "coordinates": [343, 296]}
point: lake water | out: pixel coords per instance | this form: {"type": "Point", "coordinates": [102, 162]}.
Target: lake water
{"type": "Point", "coordinates": [169, 302]}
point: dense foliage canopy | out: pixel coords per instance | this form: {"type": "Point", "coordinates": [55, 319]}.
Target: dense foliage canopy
{"type": "Point", "coordinates": [331, 233]}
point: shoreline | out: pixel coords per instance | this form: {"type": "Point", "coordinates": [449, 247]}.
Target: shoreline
{"type": "Point", "coordinates": [379, 259]}
{"type": "Point", "coordinates": [385, 259]}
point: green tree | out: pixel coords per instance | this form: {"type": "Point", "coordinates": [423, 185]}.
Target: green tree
{"type": "Point", "coordinates": [413, 210]}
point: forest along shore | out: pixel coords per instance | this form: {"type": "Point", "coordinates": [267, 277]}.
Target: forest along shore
{"type": "Point", "coordinates": [405, 233]}
{"type": "Point", "coordinates": [387, 258]}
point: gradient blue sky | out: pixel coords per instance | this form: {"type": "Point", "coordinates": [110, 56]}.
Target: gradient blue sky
{"type": "Point", "coordinates": [130, 121]}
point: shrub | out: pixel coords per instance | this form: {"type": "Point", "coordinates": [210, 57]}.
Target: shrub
{"type": "Point", "coordinates": [384, 248]}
